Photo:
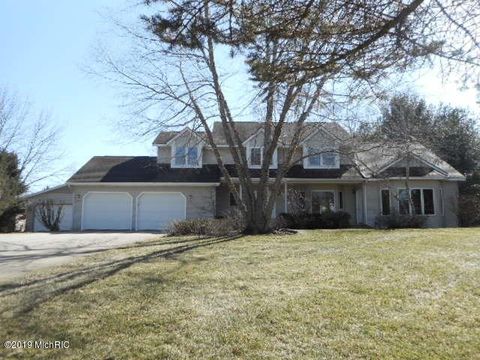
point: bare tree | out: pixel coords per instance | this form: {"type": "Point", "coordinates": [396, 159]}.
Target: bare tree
{"type": "Point", "coordinates": [300, 57]}
{"type": "Point", "coordinates": [49, 214]}
{"type": "Point", "coordinates": [31, 135]}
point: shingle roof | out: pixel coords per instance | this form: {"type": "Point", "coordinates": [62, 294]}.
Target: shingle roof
{"type": "Point", "coordinates": [140, 169]}
{"type": "Point", "coordinates": [246, 129]}
{"type": "Point", "coordinates": [112, 169]}
{"type": "Point", "coordinates": [164, 137]}
{"type": "Point", "coordinates": [373, 158]}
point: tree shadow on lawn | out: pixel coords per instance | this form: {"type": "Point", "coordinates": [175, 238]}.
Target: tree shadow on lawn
{"type": "Point", "coordinates": [83, 250]}
{"type": "Point", "coordinates": [27, 296]}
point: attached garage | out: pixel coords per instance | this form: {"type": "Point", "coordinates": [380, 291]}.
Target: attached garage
{"type": "Point", "coordinates": [107, 211]}
{"type": "Point", "coordinates": [66, 222]}
{"type": "Point", "coordinates": [157, 210]}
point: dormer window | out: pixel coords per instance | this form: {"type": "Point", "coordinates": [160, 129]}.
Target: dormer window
{"type": "Point", "coordinates": [186, 156]}
{"type": "Point", "coordinates": [321, 159]}
{"type": "Point", "coordinates": [256, 155]}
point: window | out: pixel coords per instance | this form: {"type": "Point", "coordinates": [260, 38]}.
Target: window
{"type": "Point", "coordinates": [186, 156]}
{"type": "Point", "coordinates": [233, 202]}
{"type": "Point", "coordinates": [180, 155]}
{"type": "Point", "coordinates": [256, 156]}
{"type": "Point", "coordinates": [428, 202]}
{"type": "Point", "coordinates": [323, 201]}
{"type": "Point", "coordinates": [422, 202]}
{"type": "Point", "coordinates": [329, 159]}
{"type": "Point", "coordinates": [385, 194]}
{"type": "Point", "coordinates": [318, 159]}
{"type": "Point", "coordinates": [403, 202]}
{"type": "Point", "coordinates": [416, 201]}
{"type": "Point", "coordinates": [314, 160]}
{"type": "Point", "coordinates": [340, 200]}
{"type": "Point", "coordinates": [440, 197]}
{"type": "Point", "coordinates": [192, 156]}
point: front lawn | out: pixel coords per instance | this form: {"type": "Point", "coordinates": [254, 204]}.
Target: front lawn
{"type": "Point", "coordinates": [319, 294]}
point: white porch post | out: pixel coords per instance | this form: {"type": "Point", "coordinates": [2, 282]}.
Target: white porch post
{"type": "Point", "coordinates": [286, 196]}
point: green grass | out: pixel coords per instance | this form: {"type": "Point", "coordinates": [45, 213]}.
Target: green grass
{"type": "Point", "coordinates": [319, 294]}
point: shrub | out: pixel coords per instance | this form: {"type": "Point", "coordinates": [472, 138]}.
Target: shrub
{"type": "Point", "coordinates": [49, 214]}
{"type": "Point", "coordinates": [8, 219]}
{"type": "Point", "coordinates": [327, 220]}
{"type": "Point", "coordinates": [397, 221]}
{"type": "Point", "coordinates": [469, 209]}
{"type": "Point", "coordinates": [206, 227]}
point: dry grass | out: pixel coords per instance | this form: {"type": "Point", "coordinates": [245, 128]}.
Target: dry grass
{"type": "Point", "coordinates": [319, 294]}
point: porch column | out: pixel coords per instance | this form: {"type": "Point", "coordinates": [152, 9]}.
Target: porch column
{"type": "Point", "coordinates": [286, 196]}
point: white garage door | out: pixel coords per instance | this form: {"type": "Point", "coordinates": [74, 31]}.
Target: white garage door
{"type": "Point", "coordinates": [156, 211]}
{"type": "Point", "coordinates": [66, 221]}
{"type": "Point", "coordinates": [107, 211]}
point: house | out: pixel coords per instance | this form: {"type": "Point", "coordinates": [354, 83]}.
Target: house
{"type": "Point", "coordinates": [140, 193]}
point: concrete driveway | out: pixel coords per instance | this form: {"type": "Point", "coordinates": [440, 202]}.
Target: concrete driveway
{"type": "Point", "coordinates": [21, 253]}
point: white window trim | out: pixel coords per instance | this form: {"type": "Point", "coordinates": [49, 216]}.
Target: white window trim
{"type": "Point", "coordinates": [274, 163]}
{"type": "Point", "coordinates": [334, 192]}
{"type": "Point", "coordinates": [307, 165]}
{"type": "Point", "coordinates": [422, 201]}
{"type": "Point", "coordinates": [186, 165]}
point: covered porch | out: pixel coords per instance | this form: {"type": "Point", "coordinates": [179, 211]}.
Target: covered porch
{"type": "Point", "coordinates": [312, 196]}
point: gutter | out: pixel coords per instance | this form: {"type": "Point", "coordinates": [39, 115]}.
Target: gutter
{"type": "Point", "coordinates": [143, 184]}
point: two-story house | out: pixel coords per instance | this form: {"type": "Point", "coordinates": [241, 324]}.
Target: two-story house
{"type": "Point", "coordinates": [183, 181]}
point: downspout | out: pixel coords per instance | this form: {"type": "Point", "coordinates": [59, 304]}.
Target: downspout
{"type": "Point", "coordinates": [286, 197]}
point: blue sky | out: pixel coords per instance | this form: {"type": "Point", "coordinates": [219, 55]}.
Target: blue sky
{"type": "Point", "coordinates": [45, 44]}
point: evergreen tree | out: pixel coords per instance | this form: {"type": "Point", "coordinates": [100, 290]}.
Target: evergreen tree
{"type": "Point", "coordinates": [11, 186]}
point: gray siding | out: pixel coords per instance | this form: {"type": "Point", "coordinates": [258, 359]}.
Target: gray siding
{"type": "Point", "coordinates": [445, 193]}
{"type": "Point", "coordinates": [63, 196]}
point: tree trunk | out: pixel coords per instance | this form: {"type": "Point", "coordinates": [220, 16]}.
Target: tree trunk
{"type": "Point", "coordinates": [259, 220]}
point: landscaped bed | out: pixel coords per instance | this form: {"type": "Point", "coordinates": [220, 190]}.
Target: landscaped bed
{"type": "Point", "coordinates": [317, 294]}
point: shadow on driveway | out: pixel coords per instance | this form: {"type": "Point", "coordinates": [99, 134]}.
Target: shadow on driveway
{"type": "Point", "coordinates": [28, 295]}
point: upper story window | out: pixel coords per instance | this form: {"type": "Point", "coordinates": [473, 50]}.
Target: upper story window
{"type": "Point", "coordinates": [186, 156]}
{"type": "Point", "coordinates": [255, 157]}
{"type": "Point", "coordinates": [320, 159]}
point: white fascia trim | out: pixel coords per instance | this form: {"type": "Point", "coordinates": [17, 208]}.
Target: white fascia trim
{"type": "Point", "coordinates": [315, 181]}
{"type": "Point", "coordinates": [27, 196]}
{"type": "Point", "coordinates": [143, 184]}
{"type": "Point", "coordinates": [437, 178]}
{"type": "Point", "coordinates": [305, 181]}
